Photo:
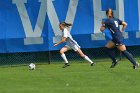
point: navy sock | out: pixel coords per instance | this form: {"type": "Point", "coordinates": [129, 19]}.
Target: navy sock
{"type": "Point", "coordinates": [111, 53]}
{"type": "Point", "coordinates": [129, 57]}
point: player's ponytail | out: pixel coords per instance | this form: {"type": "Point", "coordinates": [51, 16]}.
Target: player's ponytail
{"type": "Point", "coordinates": [66, 24]}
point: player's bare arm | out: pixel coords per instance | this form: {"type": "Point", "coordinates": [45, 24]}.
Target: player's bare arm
{"type": "Point", "coordinates": [124, 26]}
{"type": "Point", "coordinates": [63, 40]}
{"type": "Point", "coordinates": [102, 28]}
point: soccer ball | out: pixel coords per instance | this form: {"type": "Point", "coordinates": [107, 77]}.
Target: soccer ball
{"type": "Point", "coordinates": [32, 66]}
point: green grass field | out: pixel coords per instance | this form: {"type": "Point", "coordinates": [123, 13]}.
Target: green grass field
{"type": "Point", "coordinates": [78, 78]}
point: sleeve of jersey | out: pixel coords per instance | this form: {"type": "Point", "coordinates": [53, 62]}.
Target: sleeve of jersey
{"type": "Point", "coordinates": [105, 24]}
{"type": "Point", "coordinates": [65, 33]}
{"type": "Point", "coordinates": [120, 22]}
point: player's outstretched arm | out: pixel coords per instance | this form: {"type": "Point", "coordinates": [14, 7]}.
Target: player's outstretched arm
{"type": "Point", "coordinates": [63, 40]}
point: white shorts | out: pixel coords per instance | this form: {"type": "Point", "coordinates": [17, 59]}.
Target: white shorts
{"type": "Point", "coordinates": [74, 47]}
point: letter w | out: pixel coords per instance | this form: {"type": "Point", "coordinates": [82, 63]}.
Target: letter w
{"type": "Point", "coordinates": [32, 37]}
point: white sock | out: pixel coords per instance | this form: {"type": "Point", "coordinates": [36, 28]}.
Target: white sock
{"type": "Point", "coordinates": [87, 58]}
{"type": "Point", "coordinates": [64, 58]}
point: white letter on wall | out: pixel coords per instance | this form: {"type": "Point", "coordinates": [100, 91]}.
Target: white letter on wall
{"type": "Point", "coordinates": [138, 33]}
{"type": "Point", "coordinates": [32, 36]}
{"type": "Point", "coordinates": [55, 21]}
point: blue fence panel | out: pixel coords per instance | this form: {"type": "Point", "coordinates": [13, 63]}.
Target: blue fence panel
{"type": "Point", "coordinates": [32, 25]}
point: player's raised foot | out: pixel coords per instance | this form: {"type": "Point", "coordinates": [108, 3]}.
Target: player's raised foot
{"type": "Point", "coordinates": [114, 64]}
{"type": "Point", "coordinates": [93, 64]}
{"type": "Point", "coordinates": [136, 66]}
{"type": "Point", "coordinates": [66, 65]}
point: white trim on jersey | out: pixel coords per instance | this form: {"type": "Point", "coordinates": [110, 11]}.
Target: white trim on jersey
{"type": "Point", "coordinates": [111, 30]}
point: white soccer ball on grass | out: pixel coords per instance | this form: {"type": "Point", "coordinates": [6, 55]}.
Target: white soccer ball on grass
{"type": "Point", "coordinates": [32, 66]}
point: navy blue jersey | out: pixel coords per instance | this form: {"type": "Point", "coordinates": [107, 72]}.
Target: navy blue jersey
{"type": "Point", "coordinates": [113, 25]}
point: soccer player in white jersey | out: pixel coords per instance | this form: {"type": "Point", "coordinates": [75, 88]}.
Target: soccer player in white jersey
{"type": "Point", "coordinates": [70, 44]}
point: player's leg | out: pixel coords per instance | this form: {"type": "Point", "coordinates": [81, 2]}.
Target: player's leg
{"type": "Point", "coordinates": [128, 55]}
{"type": "Point", "coordinates": [62, 52]}
{"type": "Point", "coordinates": [79, 51]}
{"type": "Point", "coordinates": [110, 51]}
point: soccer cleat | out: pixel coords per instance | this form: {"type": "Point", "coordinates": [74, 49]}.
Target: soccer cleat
{"type": "Point", "coordinates": [114, 64]}
{"type": "Point", "coordinates": [93, 64]}
{"type": "Point", "coordinates": [136, 66]}
{"type": "Point", "coordinates": [66, 65]}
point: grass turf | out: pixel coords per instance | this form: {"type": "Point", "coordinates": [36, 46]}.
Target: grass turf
{"type": "Point", "coordinates": [78, 78]}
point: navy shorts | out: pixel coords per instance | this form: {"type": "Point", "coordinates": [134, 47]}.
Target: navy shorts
{"type": "Point", "coordinates": [118, 39]}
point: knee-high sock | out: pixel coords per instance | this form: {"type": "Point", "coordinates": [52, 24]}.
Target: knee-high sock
{"type": "Point", "coordinates": [111, 53]}
{"type": "Point", "coordinates": [88, 59]}
{"type": "Point", "coordinates": [64, 58]}
{"type": "Point", "coordinates": [129, 57]}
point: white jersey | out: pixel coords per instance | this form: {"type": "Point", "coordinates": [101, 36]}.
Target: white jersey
{"type": "Point", "coordinates": [70, 41]}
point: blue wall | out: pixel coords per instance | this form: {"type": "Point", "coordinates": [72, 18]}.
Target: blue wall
{"type": "Point", "coordinates": [12, 30]}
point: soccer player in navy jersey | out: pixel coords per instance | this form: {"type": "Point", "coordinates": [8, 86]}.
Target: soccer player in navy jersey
{"type": "Point", "coordinates": [112, 24]}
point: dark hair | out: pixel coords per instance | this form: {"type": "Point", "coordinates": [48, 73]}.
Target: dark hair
{"type": "Point", "coordinates": [66, 24]}
{"type": "Point", "coordinates": [111, 12]}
